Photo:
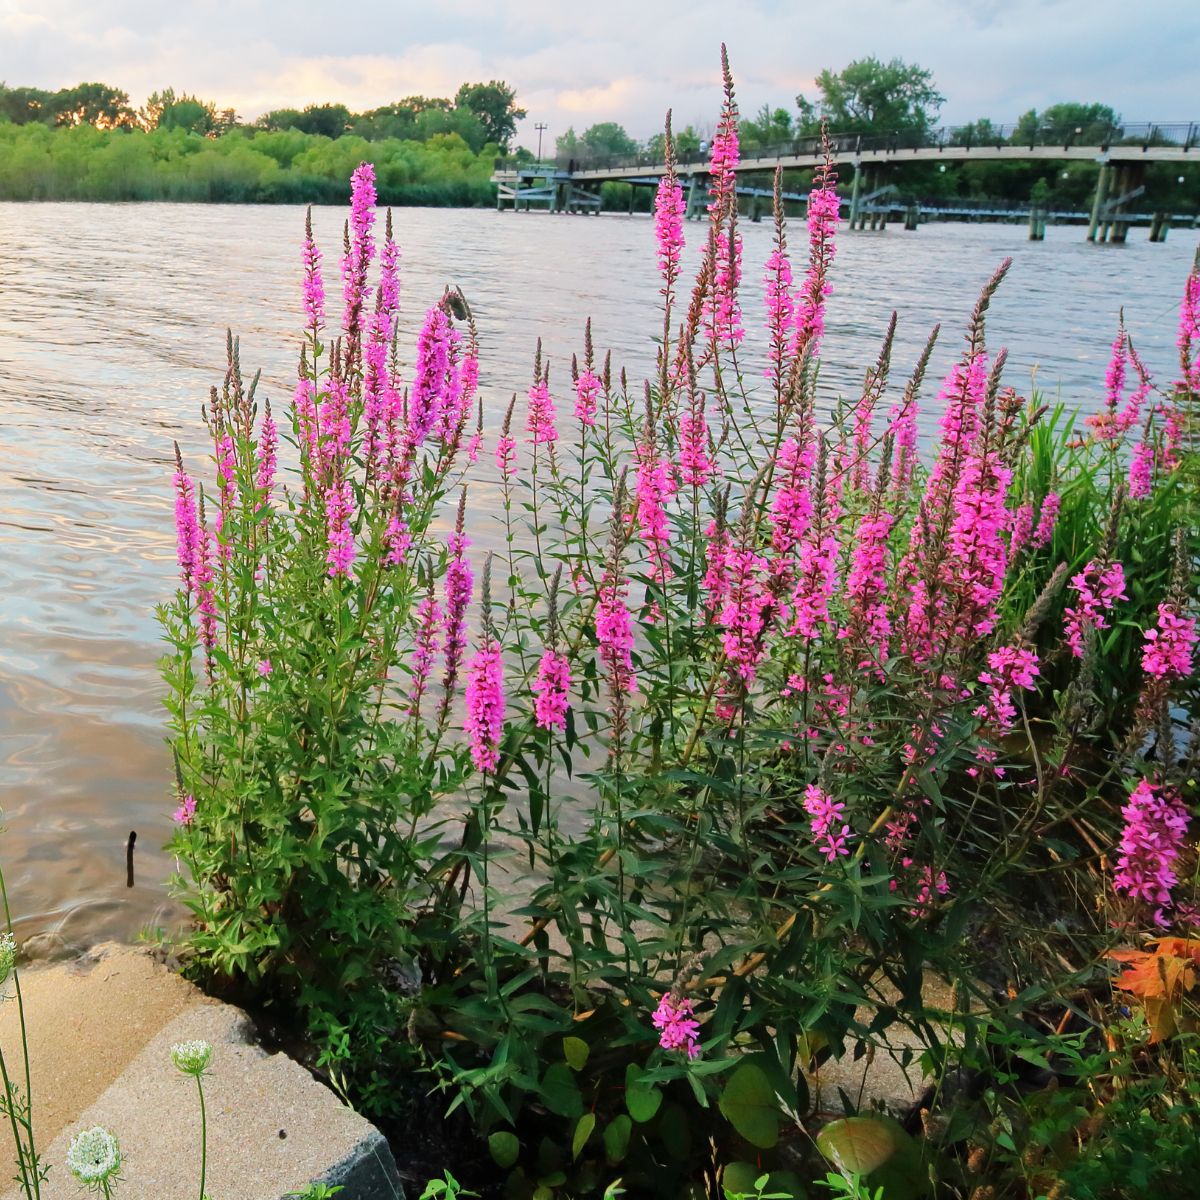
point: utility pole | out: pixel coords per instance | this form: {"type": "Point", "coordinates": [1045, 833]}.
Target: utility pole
{"type": "Point", "coordinates": [541, 127]}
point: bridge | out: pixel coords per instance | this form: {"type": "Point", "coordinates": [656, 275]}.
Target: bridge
{"type": "Point", "coordinates": [1122, 152]}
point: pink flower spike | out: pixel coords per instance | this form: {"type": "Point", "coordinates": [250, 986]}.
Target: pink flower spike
{"type": "Point", "coordinates": [265, 668]}
{"type": "Point", "coordinates": [551, 687]}
{"type": "Point", "coordinates": [484, 722]}
{"type": "Point", "coordinates": [185, 814]}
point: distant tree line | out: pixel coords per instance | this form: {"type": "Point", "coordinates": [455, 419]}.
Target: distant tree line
{"type": "Point", "coordinates": [480, 113]}
{"type": "Point", "coordinates": [88, 143]}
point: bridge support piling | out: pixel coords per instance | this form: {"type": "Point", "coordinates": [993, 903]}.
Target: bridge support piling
{"type": "Point", "coordinates": [1037, 224]}
{"type": "Point", "coordinates": [691, 197]}
{"type": "Point", "coordinates": [1098, 200]}
{"type": "Point", "coordinates": [912, 217]}
{"type": "Point", "coordinates": [855, 192]}
{"type": "Point", "coordinates": [1159, 224]}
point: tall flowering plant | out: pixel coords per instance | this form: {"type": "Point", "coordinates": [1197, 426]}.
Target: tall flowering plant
{"type": "Point", "coordinates": [764, 703]}
{"type": "Point", "coordinates": [314, 668]}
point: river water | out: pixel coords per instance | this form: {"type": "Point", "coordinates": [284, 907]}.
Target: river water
{"type": "Point", "coordinates": [112, 323]}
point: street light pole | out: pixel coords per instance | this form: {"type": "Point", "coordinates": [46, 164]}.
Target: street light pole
{"type": "Point", "coordinates": [540, 126]}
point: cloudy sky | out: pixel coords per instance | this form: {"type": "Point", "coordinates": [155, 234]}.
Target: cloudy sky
{"type": "Point", "coordinates": [626, 60]}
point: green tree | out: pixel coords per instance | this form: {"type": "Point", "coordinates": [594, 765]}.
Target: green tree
{"type": "Point", "coordinates": [494, 105]}
{"type": "Point", "coordinates": [93, 104]}
{"type": "Point", "coordinates": [768, 127]}
{"type": "Point", "coordinates": [1082, 124]}
{"type": "Point", "coordinates": [870, 96]}
{"type": "Point", "coordinates": [567, 144]}
{"type": "Point", "coordinates": [607, 138]}
{"type": "Point", "coordinates": [166, 110]}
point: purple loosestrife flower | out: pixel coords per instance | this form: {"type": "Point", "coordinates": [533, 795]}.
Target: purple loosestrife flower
{"type": "Point", "coordinates": [669, 211]}
{"type": "Point", "coordinates": [1188, 339]}
{"type": "Point", "coordinates": [429, 394]}
{"type": "Point", "coordinates": [1046, 521]}
{"type": "Point", "coordinates": [314, 286]}
{"type": "Point", "coordinates": [265, 668]}
{"type": "Point", "coordinates": [723, 318]}
{"type": "Point", "coordinates": [425, 645]}
{"type": "Point", "coordinates": [1009, 667]}
{"type": "Point", "coordinates": [614, 635]}
{"type": "Point", "coordinates": [485, 705]}
{"type": "Point", "coordinates": [781, 308]}
{"type": "Point", "coordinates": [1170, 644]}
{"type": "Point", "coordinates": [653, 490]}
{"type": "Point", "coordinates": [1142, 469]}
{"type": "Point", "coordinates": [1104, 424]}
{"type": "Point", "coordinates": [743, 617]}
{"type": "Point", "coordinates": [339, 528]}
{"type": "Point", "coordinates": [1156, 822]}
{"type": "Point", "coordinates": [823, 212]}
{"type": "Point", "coordinates": [677, 1026]}
{"type": "Point", "coordinates": [696, 466]}
{"type": "Point", "coordinates": [587, 396]}
{"type": "Point", "coordinates": [791, 506]}
{"type": "Point", "coordinates": [825, 816]}
{"type": "Point", "coordinates": [194, 551]}
{"type": "Point", "coordinates": [717, 547]}
{"type": "Point", "coordinates": [902, 425]}
{"type": "Point", "coordinates": [361, 250]}
{"type": "Point", "coordinates": [268, 448]}
{"type": "Point", "coordinates": [458, 587]}
{"type": "Point", "coordinates": [551, 687]}
{"type": "Point", "coordinates": [1098, 588]}
{"type": "Point", "coordinates": [539, 420]}
{"type": "Point", "coordinates": [506, 455]}
{"type": "Point", "coordinates": [869, 623]}
{"type": "Point", "coordinates": [185, 814]}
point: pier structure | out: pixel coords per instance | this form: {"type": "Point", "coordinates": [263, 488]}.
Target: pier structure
{"type": "Point", "coordinates": [1122, 153]}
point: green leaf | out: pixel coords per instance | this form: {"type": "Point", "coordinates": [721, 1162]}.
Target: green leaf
{"type": "Point", "coordinates": [641, 1099]}
{"type": "Point", "coordinates": [583, 1131]}
{"type": "Point", "coordinates": [575, 1051]}
{"type": "Point", "coordinates": [748, 1103]}
{"type": "Point", "coordinates": [616, 1139]}
{"type": "Point", "coordinates": [675, 1133]}
{"type": "Point", "coordinates": [504, 1148]}
{"type": "Point", "coordinates": [559, 1093]}
{"type": "Point", "coordinates": [859, 1145]}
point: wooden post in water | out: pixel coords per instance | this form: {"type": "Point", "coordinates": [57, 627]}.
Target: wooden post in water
{"type": "Point", "coordinates": [1159, 224]}
{"type": "Point", "coordinates": [1037, 223]}
{"type": "Point", "coordinates": [855, 191]}
{"type": "Point", "coordinates": [1098, 201]}
{"type": "Point", "coordinates": [912, 217]}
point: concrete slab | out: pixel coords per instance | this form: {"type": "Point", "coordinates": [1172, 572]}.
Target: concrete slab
{"type": "Point", "coordinates": [272, 1128]}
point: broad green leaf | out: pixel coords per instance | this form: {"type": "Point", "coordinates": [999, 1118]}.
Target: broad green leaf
{"type": "Point", "coordinates": [641, 1099]}
{"type": "Point", "coordinates": [860, 1145]}
{"type": "Point", "coordinates": [583, 1131]}
{"type": "Point", "coordinates": [575, 1051]}
{"type": "Point", "coordinates": [616, 1139]}
{"type": "Point", "coordinates": [504, 1148]}
{"type": "Point", "coordinates": [748, 1103]}
{"type": "Point", "coordinates": [559, 1093]}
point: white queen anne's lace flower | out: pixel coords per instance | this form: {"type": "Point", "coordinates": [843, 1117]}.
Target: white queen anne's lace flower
{"type": "Point", "coordinates": [94, 1158]}
{"type": "Point", "coordinates": [192, 1058]}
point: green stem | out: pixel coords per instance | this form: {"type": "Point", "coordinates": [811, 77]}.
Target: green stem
{"type": "Point", "coordinates": [203, 1137]}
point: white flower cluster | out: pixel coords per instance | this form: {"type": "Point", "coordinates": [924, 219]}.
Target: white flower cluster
{"type": "Point", "coordinates": [94, 1158]}
{"type": "Point", "coordinates": [192, 1058]}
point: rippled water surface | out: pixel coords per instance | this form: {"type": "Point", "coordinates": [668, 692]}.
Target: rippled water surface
{"type": "Point", "coordinates": [112, 321]}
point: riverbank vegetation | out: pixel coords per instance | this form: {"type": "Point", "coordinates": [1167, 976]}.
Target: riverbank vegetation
{"type": "Point", "coordinates": [765, 716]}
{"type": "Point", "coordinates": [87, 143]}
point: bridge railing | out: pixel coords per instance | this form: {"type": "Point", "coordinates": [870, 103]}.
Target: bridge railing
{"type": "Point", "coordinates": [1181, 134]}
